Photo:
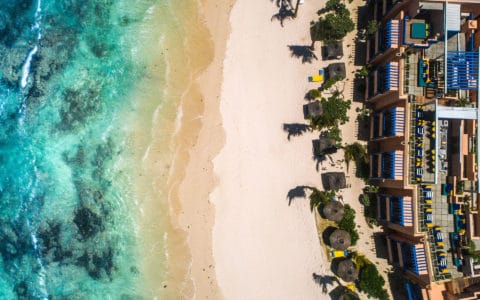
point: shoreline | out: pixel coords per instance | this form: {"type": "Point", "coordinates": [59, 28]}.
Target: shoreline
{"type": "Point", "coordinates": [165, 133]}
{"type": "Point", "coordinates": [192, 179]}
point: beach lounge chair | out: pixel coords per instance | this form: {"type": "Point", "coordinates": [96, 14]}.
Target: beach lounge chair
{"type": "Point", "coordinates": [339, 253]}
{"type": "Point", "coordinates": [317, 78]}
{"type": "Point", "coordinates": [438, 236]}
{"type": "Point", "coordinates": [420, 131]}
{"type": "Point", "coordinates": [428, 219]}
{"type": "Point", "coordinates": [442, 260]}
{"type": "Point", "coordinates": [419, 152]}
{"type": "Point", "coordinates": [419, 113]}
{"type": "Point", "coordinates": [428, 195]}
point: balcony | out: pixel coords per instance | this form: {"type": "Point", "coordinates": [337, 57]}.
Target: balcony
{"type": "Point", "coordinates": [387, 165]}
{"type": "Point", "coordinates": [396, 210]}
{"type": "Point", "coordinates": [389, 35]}
{"type": "Point", "coordinates": [414, 258]}
{"type": "Point", "coordinates": [410, 257]}
{"type": "Point", "coordinates": [390, 122]}
{"type": "Point", "coordinates": [384, 41]}
{"type": "Point", "coordinates": [383, 80]}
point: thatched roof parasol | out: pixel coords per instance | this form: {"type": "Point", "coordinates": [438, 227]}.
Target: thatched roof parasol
{"type": "Point", "coordinates": [334, 211]}
{"type": "Point", "coordinates": [325, 144]}
{"type": "Point", "coordinates": [347, 270]}
{"type": "Point", "coordinates": [313, 109]}
{"type": "Point", "coordinates": [334, 181]}
{"type": "Point", "coordinates": [336, 69]}
{"type": "Point", "coordinates": [340, 239]}
{"type": "Point", "coordinates": [333, 50]}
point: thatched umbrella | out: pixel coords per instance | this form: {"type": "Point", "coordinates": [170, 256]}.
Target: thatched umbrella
{"type": "Point", "coordinates": [334, 180]}
{"type": "Point", "coordinates": [334, 211]}
{"type": "Point", "coordinates": [333, 50]}
{"type": "Point", "coordinates": [312, 109]}
{"type": "Point", "coordinates": [326, 144]}
{"type": "Point", "coordinates": [340, 239]}
{"type": "Point", "coordinates": [347, 270]}
{"type": "Point", "coordinates": [336, 69]}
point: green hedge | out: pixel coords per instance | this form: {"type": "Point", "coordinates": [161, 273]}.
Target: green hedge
{"type": "Point", "coordinates": [347, 223]}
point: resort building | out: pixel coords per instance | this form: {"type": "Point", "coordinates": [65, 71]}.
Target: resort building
{"type": "Point", "coordinates": [423, 87]}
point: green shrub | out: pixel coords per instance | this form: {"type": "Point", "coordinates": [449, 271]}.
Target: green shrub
{"type": "Point", "coordinates": [371, 282]}
{"type": "Point", "coordinates": [331, 81]}
{"type": "Point", "coordinates": [335, 110]}
{"type": "Point", "coordinates": [363, 170]}
{"type": "Point", "coordinates": [355, 152]}
{"type": "Point", "coordinates": [333, 26]}
{"type": "Point", "coordinates": [314, 94]}
{"type": "Point", "coordinates": [365, 199]}
{"type": "Point", "coordinates": [472, 251]}
{"type": "Point", "coordinates": [372, 27]}
{"type": "Point", "coordinates": [347, 223]}
{"type": "Point", "coordinates": [335, 134]}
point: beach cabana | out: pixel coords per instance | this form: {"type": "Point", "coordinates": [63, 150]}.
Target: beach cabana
{"type": "Point", "coordinates": [334, 180]}
{"type": "Point", "coordinates": [325, 145]}
{"type": "Point", "coordinates": [313, 109]}
{"type": "Point", "coordinates": [336, 69]}
{"type": "Point", "coordinates": [334, 211]}
{"type": "Point", "coordinates": [333, 50]}
{"type": "Point", "coordinates": [340, 239]}
{"type": "Point", "coordinates": [347, 270]}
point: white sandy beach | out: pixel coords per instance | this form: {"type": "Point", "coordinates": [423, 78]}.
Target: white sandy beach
{"type": "Point", "coordinates": [263, 248]}
{"type": "Point", "coordinates": [260, 247]}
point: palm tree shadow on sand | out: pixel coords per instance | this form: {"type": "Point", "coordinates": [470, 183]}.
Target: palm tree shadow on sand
{"type": "Point", "coordinates": [304, 52]}
{"type": "Point", "coordinates": [295, 129]}
{"type": "Point", "coordinates": [297, 192]}
{"type": "Point", "coordinates": [324, 281]}
{"type": "Point", "coordinates": [285, 11]}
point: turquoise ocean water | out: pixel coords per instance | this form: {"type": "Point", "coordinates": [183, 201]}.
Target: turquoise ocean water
{"type": "Point", "coordinates": [67, 213]}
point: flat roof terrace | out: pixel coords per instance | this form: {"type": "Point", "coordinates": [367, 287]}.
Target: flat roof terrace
{"type": "Point", "coordinates": [439, 210]}
{"type": "Point", "coordinates": [434, 145]}
{"type": "Point", "coordinates": [422, 144]}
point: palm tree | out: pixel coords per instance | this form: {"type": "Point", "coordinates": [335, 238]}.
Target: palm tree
{"type": "Point", "coordinates": [355, 152]}
{"type": "Point", "coordinates": [320, 197]}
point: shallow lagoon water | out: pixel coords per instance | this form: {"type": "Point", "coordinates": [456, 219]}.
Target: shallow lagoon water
{"type": "Point", "coordinates": [68, 209]}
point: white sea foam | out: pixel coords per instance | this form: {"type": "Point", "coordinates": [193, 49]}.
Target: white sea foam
{"type": "Point", "coordinates": [26, 66]}
{"type": "Point", "coordinates": [178, 120]}
{"type": "Point", "coordinates": [42, 272]}
{"type": "Point", "coordinates": [31, 53]}
{"type": "Point", "coordinates": [147, 152]}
